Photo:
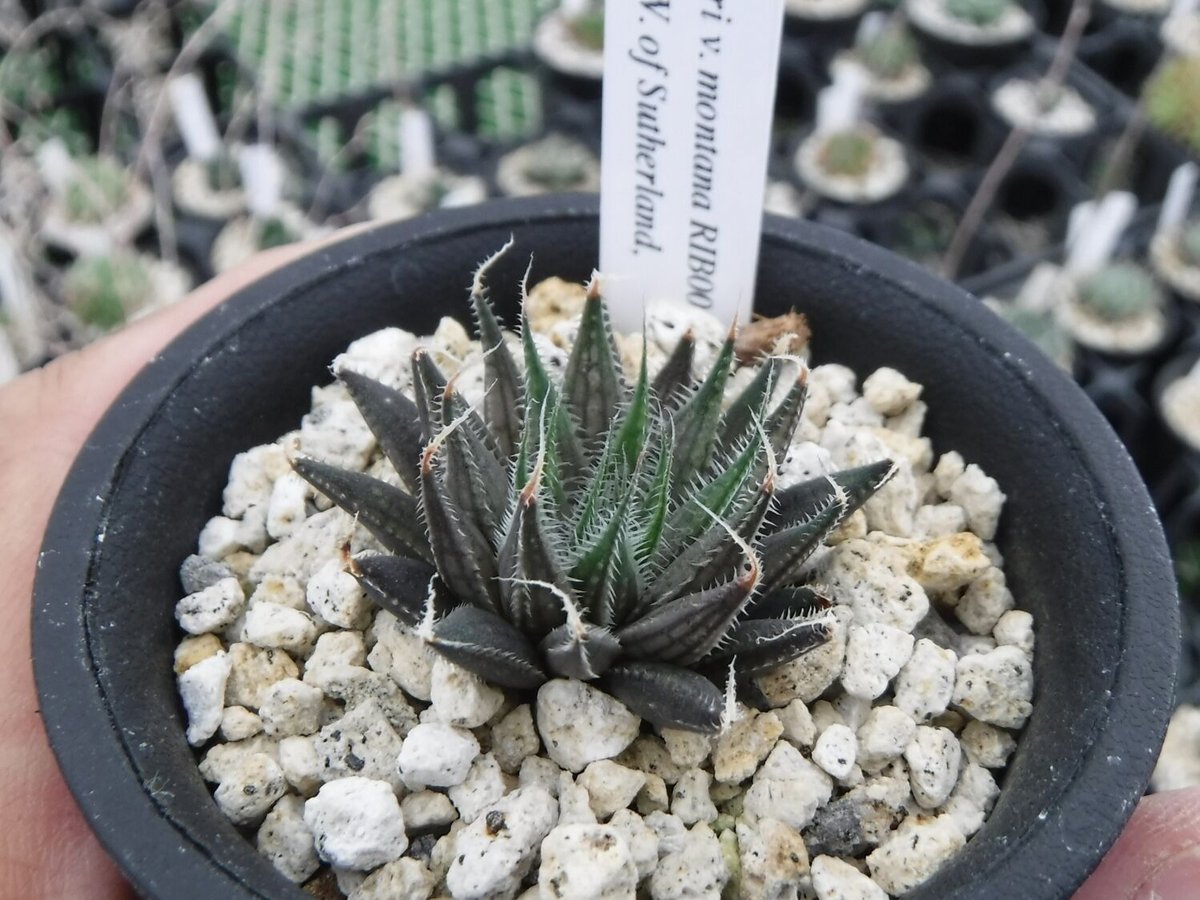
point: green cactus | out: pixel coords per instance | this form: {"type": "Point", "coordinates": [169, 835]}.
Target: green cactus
{"type": "Point", "coordinates": [978, 12]}
{"type": "Point", "coordinates": [889, 52]}
{"type": "Point", "coordinates": [1119, 291]}
{"type": "Point", "coordinates": [222, 173]}
{"type": "Point", "coordinates": [558, 163]}
{"type": "Point", "coordinates": [274, 232]}
{"type": "Point", "coordinates": [1041, 328]}
{"type": "Point", "coordinates": [588, 28]}
{"type": "Point", "coordinates": [848, 153]}
{"type": "Point", "coordinates": [27, 79]}
{"type": "Point", "coordinates": [630, 534]}
{"type": "Point", "coordinates": [1171, 98]}
{"type": "Point", "coordinates": [98, 189]}
{"type": "Point", "coordinates": [1189, 243]}
{"type": "Point", "coordinates": [104, 290]}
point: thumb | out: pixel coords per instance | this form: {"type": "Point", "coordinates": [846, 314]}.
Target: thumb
{"type": "Point", "coordinates": [1158, 854]}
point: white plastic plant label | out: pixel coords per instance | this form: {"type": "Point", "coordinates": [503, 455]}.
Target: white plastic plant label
{"type": "Point", "coordinates": [689, 91]}
{"type": "Point", "coordinates": [194, 117]}
{"type": "Point", "coordinates": [840, 104]}
{"type": "Point", "coordinates": [262, 175]}
{"type": "Point", "coordinates": [418, 158]}
{"type": "Point", "coordinates": [1181, 189]}
{"type": "Point", "coordinates": [1096, 238]}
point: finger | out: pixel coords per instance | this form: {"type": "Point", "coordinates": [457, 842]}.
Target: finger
{"type": "Point", "coordinates": [45, 415]}
{"type": "Point", "coordinates": [1158, 854]}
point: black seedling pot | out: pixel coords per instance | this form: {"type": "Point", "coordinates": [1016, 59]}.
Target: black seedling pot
{"type": "Point", "coordinates": [1124, 50]}
{"type": "Point", "coordinates": [950, 126]}
{"type": "Point", "coordinates": [1083, 550]}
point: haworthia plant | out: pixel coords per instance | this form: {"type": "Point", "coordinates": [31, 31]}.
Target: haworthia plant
{"type": "Point", "coordinates": [633, 534]}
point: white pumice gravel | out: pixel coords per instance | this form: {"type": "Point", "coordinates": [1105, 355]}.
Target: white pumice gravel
{"type": "Point", "coordinates": [334, 733]}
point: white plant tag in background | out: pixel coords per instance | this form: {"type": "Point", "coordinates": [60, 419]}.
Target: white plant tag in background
{"type": "Point", "coordinates": [262, 176]}
{"type": "Point", "coordinates": [1178, 200]}
{"type": "Point", "coordinates": [55, 165]}
{"type": "Point", "coordinates": [417, 154]}
{"type": "Point", "coordinates": [1077, 219]}
{"type": "Point", "coordinates": [689, 92]}
{"type": "Point", "coordinates": [840, 105]}
{"type": "Point", "coordinates": [870, 26]}
{"type": "Point", "coordinates": [194, 117]}
{"type": "Point", "coordinates": [1097, 238]}
{"type": "Point", "coordinates": [1183, 7]}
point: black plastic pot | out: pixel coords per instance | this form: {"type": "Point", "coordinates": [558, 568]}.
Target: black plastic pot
{"type": "Point", "coordinates": [950, 126]}
{"type": "Point", "coordinates": [1123, 51]}
{"type": "Point", "coordinates": [1078, 527]}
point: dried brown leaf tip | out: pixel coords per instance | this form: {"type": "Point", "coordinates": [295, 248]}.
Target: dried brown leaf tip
{"type": "Point", "coordinates": [785, 335]}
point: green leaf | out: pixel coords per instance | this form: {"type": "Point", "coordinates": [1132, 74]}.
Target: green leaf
{"type": "Point", "coordinates": [656, 503]}
{"type": "Point", "coordinates": [761, 645]}
{"type": "Point", "coordinates": [696, 422]}
{"type": "Point", "coordinates": [399, 585]}
{"type": "Point", "coordinates": [807, 512]}
{"type": "Point", "coordinates": [503, 406]}
{"type": "Point", "coordinates": [393, 419]}
{"type": "Point", "coordinates": [738, 423]}
{"type": "Point", "coordinates": [579, 652]}
{"type": "Point", "coordinates": [463, 556]}
{"type": "Point", "coordinates": [528, 554]}
{"type": "Point", "coordinates": [384, 510]}
{"type": "Point", "coordinates": [634, 423]}
{"type": "Point", "coordinates": [539, 392]}
{"type": "Point", "coordinates": [683, 630]}
{"type": "Point", "coordinates": [592, 383]}
{"type": "Point", "coordinates": [495, 650]}
{"type": "Point", "coordinates": [666, 696]}
{"type": "Point", "coordinates": [428, 386]}
{"type": "Point", "coordinates": [674, 380]}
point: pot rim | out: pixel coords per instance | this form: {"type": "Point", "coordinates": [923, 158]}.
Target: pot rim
{"type": "Point", "coordinates": [85, 738]}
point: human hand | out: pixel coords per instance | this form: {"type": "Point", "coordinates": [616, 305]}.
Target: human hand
{"type": "Point", "coordinates": [1157, 857]}
{"type": "Point", "coordinates": [46, 848]}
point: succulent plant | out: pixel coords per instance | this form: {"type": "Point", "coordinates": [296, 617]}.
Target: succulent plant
{"type": "Point", "coordinates": [889, 52]}
{"type": "Point", "coordinates": [103, 290]}
{"type": "Point", "coordinates": [1189, 243]}
{"type": "Point", "coordinates": [98, 189]}
{"type": "Point", "coordinates": [222, 173]}
{"type": "Point", "coordinates": [558, 163]}
{"type": "Point", "coordinates": [588, 28]}
{"type": "Point", "coordinates": [630, 533]}
{"type": "Point", "coordinates": [847, 153]}
{"type": "Point", "coordinates": [1119, 291]}
{"type": "Point", "coordinates": [274, 232]}
{"type": "Point", "coordinates": [1042, 328]}
{"type": "Point", "coordinates": [1172, 102]}
{"type": "Point", "coordinates": [978, 12]}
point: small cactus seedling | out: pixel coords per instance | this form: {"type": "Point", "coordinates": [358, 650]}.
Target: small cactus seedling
{"type": "Point", "coordinates": [1189, 243]}
{"type": "Point", "coordinates": [632, 534]}
{"type": "Point", "coordinates": [560, 163]}
{"type": "Point", "coordinates": [888, 53]}
{"type": "Point", "coordinates": [848, 153]}
{"type": "Point", "coordinates": [588, 28]}
{"type": "Point", "coordinates": [274, 232]}
{"type": "Point", "coordinates": [98, 188]}
{"type": "Point", "coordinates": [1172, 100]}
{"type": "Point", "coordinates": [1042, 328]}
{"type": "Point", "coordinates": [222, 173]}
{"type": "Point", "coordinates": [978, 12]}
{"type": "Point", "coordinates": [103, 290]}
{"type": "Point", "coordinates": [1119, 291]}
